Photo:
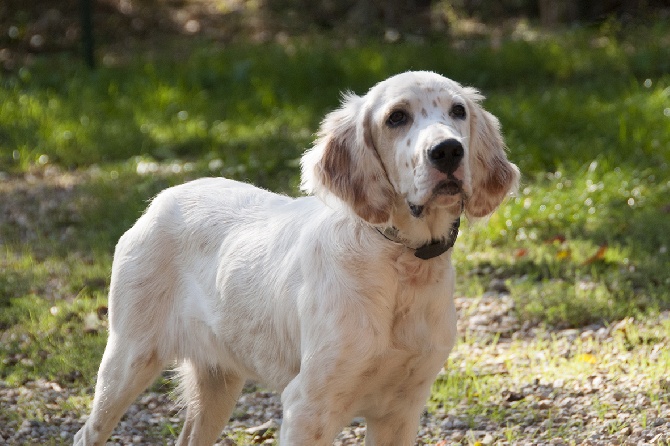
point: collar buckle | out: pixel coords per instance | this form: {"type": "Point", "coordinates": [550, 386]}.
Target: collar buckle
{"type": "Point", "coordinates": [429, 250]}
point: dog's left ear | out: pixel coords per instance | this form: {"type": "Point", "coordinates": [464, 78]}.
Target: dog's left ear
{"type": "Point", "coordinates": [344, 162]}
{"type": "Point", "coordinates": [493, 176]}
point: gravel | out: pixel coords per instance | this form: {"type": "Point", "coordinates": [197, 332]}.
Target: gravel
{"type": "Point", "coordinates": [603, 408]}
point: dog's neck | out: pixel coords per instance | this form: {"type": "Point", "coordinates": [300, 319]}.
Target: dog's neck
{"type": "Point", "coordinates": [429, 250]}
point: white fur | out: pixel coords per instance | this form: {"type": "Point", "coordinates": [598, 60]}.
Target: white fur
{"type": "Point", "coordinates": [305, 295]}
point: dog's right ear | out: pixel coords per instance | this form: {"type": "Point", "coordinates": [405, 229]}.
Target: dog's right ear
{"type": "Point", "coordinates": [344, 162]}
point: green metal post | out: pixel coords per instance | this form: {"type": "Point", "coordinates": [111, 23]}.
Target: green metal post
{"type": "Point", "coordinates": [87, 32]}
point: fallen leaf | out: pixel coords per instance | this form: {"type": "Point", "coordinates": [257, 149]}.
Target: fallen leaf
{"type": "Point", "coordinates": [599, 255]}
{"type": "Point", "coordinates": [512, 396]}
{"type": "Point", "coordinates": [558, 239]}
{"type": "Point", "coordinates": [102, 311]}
{"type": "Point", "coordinates": [587, 357]}
{"type": "Point", "coordinates": [563, 254]}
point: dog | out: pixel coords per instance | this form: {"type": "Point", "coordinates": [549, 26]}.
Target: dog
{"type": "Point", "coordinates": [342, 300]}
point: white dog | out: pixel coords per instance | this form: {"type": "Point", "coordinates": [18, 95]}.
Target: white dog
{"type": "Point", "coordinates": [341, 301]}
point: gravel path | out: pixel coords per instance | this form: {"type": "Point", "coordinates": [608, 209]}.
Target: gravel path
{"type": "Point", "coordinates": [602, 407]}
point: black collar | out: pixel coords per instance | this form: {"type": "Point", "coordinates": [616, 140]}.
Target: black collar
{"type": "Point", "coordinates": [429, 250]}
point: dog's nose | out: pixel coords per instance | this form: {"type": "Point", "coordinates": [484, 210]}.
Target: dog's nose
{"type": "Point", "coordinates": [446, 155]}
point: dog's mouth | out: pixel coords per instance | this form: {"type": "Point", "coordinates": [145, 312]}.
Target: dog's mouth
{"type": "Point", "coordinates": [450, 187]}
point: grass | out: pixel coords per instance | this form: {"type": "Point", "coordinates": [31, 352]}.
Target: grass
{"type": "Point", "coordinates": [586, 114]}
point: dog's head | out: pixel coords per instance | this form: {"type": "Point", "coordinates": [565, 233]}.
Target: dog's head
{"type": "Point", "coordinates": [416, 146]}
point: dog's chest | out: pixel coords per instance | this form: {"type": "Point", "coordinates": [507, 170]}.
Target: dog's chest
{"type": "Point", "coordinates": [422, 333]}
{"type": "Point", "coordinates": [399, 379]}
{"type": "Point", "coordinates": [424, 316]}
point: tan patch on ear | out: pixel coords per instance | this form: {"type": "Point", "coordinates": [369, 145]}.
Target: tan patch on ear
{"type": "Point", "coordinates": [500, 177]}
{"type": "Point", "coordinates": [339, 174]}
{"type": "Point", "coordinates": [367, 133]}
{"type": "Point", "coordinates": [494, 176]}
{"type": "Point", "coordinates": [335, 163]}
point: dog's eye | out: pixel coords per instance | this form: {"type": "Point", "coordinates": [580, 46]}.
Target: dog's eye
{"type": "Point", "coordinates": [458, 111]}
{"type": "Point", "coordinates": [397, 118]}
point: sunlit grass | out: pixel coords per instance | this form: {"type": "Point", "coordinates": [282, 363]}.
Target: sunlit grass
{"type": "Point", "coordinates": [578, 246]}
{"type": "Point", "coordinates": [60, 341]}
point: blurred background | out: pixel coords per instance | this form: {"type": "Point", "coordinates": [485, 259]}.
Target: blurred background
{"type": "Point", "coordinates": [44, 26]}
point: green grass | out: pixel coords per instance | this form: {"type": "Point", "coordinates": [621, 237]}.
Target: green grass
{"type": "Point", "coordinates": [586, 114]}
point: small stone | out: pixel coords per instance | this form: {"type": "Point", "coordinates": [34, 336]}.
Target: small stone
{"type": "Point", "coordinates": [499, 286]}
{"type": "Point", "coordinates": [447, 424]}
{"type": "Point", "coordinates": [457, 436]}
{"type": "Point", "coordinates": [657, 439]}
{"type": "Point", "coordinates": [657, 422]}
{"type": "Point", "coordinates": [511, 396]}
{"type": "Point", "coordinates": [587, 334]}
{"type": "Point", "coordinates": [459, 424]}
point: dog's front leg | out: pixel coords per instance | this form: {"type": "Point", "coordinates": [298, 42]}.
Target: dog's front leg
{"type": "Point", "coordinates": [397, 429]}
{"type": "Point", "coordinates": [325, 394]}
{"type": "Point", "coordinates": [314, 413]}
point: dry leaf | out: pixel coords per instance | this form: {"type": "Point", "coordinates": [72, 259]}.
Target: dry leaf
{"type": "Point", "coordinates": [587, 357]}
{"type": "Point", "coordinates": [563, 254]}
{"type": "Point", "coordinates": [599, 255]}
{"type": "Point", "coordinates": [557, 239]}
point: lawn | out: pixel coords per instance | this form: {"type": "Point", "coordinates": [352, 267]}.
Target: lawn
{"type": "Point", "coordinates": [585, 112]}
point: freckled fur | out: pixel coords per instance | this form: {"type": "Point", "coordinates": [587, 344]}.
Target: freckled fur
{"type": "Point", "coordinates": [233, 282]}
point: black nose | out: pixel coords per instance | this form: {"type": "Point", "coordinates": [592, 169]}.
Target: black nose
{"type": "Point", "coordinates": [446, 155]}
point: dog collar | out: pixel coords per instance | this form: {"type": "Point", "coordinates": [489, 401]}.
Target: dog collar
{"type": "Point", "coordinates": [429, 250]}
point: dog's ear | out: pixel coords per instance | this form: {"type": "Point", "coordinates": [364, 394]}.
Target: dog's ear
{"type": "Point", "coordinates": [344, 162]}
{"type": "Point", "coordinates": [493, 176]}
